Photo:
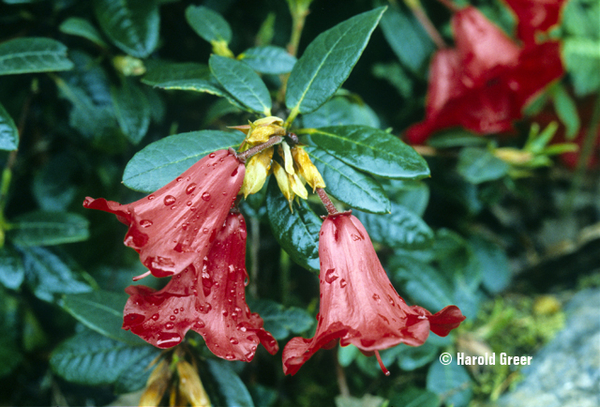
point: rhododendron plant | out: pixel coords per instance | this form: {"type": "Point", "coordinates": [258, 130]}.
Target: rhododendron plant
{"type": "Point", "coordinates": [484, 83]}
{"type": "Point", "coordinates": [358, 304]}
{"type": "Point", "coordinates": [208, 299]}
{"type": "Point", "coordinates": [173, 227]}
{"type": "Point", "coordinates": [535, 16]}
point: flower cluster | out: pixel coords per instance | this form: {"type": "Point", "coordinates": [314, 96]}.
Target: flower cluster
{"type": "Point", "coordinates": [485, 81]}
{"type": "Point", "coordinates": [192, 231]}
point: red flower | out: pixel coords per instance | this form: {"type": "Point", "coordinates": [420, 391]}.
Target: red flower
{"type": "Point", "coordinates": [359, 305]}
{"type": "Point", "coordinates": [535, 15]}
{"type": "Point", "coordinates": [209, 300]}
{"type": "Point", "coordinates": [484, 83]}
{"type": "Point", "coordinates": [174, 226]}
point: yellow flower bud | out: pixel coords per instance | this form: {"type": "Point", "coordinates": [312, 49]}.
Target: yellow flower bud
{"type": "Point", "coordinates": [157, 384]}
{"type": "Point", "coordinates": [306, 169]}
{"type": "Point", "coordinates": [283, 181]}
{"type": "Point", "coordinates": [513, 156]}
{"type": "Point", "coordinates": [257, 170]}
{"type": "Point", "coordinates": [190, 385]}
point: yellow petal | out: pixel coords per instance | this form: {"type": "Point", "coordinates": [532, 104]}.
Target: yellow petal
{"type": "Point", "coordinates": [190, 385]}
{"type": "Point", "coordinates": [157, 384]}
{"type": "Point", "coordinates": [307, 169]}
{"type": "Point", "coordinates": [288, 161]}
{"type": "Point", "coordinates": [257, 169]}
{"type": "Point", "coordinates": [297, 186]}
{"type": "Point", "coordinates": [262, 133]}
{"type": "Point", "coordinates": [283, 181]}
{"type": "Point", "coordinates": [268, 120]}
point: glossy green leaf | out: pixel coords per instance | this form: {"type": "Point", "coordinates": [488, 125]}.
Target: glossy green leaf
{"type": "Point", "coordinates": [10, 356]}
{"type": "Point", "coordinates": [400, 229]}
{"type": "Point", "coordinates": [451, 382]}
{"type": "Point", "coordinates": [411, 194]}
{"type": "Point", "coordinates": [231, 387]}
{"type": "Point", "coordinates": [479, 165]}
{"type": "Point", "coordinates": [425, 285]}
{"type": "Point", "coordinates": [132, 111]}
{"type": "Point", "coordinates": [407, 38]}
{"type": "Point", "coordinates": [347, 354]}
{"type": "Point", "coordinates": [456, 138]}
{"type": "Point", "coordinates": [82, 28]}
{"type": "Point", "coordinates": [566, 110]}
{"type": "Point", "coordinates": [268, 59]}
{"type": "Point", "coordinates": [415, 397]}
{"type": "Point", "coordinates": [494, 263]}
{"type": "Point", "coordinates": [48, 229]}
{"type": "Point", "coordinates": [328, 61]}
{"type": "Point", "coordinates": [12, 272]}
{"type": "Point", "coordinates": [102, 312]}
{"type": "Point", "coordinates": [297, 232]}
{"type": "Point", "coordinates": [53, 187]}
{"type": "Point", "coordinates": [415, 357]}
{"type": "Point", "coordinates": [49, 275]}
{"type": "Point", "coordinates": [242, 83]}
{"type": "Point", "coordinates": [582, 58]}
{"type": "Point", "coordinates": [34, 54]}
{"type": "Point", "coordinates": [208, 24]}
{"type": "Point", "coordinates": [92, 359]}
{"type": "Point", "coordinates": [9, 134]}
{"type": "Point", "coordinates": [281, 321]}
{"type": "Point", "coordinates": [349, 186]}
{"type": "Point", "coordinates": [371, 150]}
{"type": "Point", "coordinates": [132, 25]}
{"type": "Point", "coordinates": [340, 111]}
{"type": "Point", "coordinates": [396, 76]}
{"type": "Point", "coordinates": [136, 375]}
{"type": "Point", "coordinates": [162, 161]}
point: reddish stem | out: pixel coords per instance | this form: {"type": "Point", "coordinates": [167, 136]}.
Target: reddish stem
{"type": "Point", "coordinates": [429, 27]}
{"type": "Point", "coordinates": [450, 5]}
{"type": "Point", "coordinates": [257, 149]}
{"type": "Point", "coordinates": [381, 365]}
{"type": "Point", "coordinates": [331, 209]}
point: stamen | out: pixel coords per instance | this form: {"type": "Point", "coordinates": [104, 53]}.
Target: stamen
{"type": "Point", "coordinates": [383, 369]}
{"type": "Point", "coordinates": [146, 274]}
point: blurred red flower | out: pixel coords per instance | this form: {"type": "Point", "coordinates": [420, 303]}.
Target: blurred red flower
{"type": "Point", "coordinates": [175, 225]}
{"type": "Point", "coordinates": [359, 305]}
{"type": "Point", "coordinates": [484, 83]}
{"type": "Point", "coordinates": [535, 15]}
{"type": "Point", "coordinates": [209, 300]}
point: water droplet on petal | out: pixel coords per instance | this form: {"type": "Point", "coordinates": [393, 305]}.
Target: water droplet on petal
{"type": "Point", "coordinates": [169, 325]}
{"type": "Point", "coordinates": [150, 197]}
{"type": "Point", "coordinates": [199, 324]}
{"type": "Point", "coordinates": [330, 276]}
{"type": "Point", "coordinates": [233, 341]}
{"type": "Point", "coordinates": [145, 223]}
{"type": "Point", "coordinates": [206, 196]}
{"type": "Point", "coordinates": [355, 237]}
{"type": "Point", "coordinates": [377, 298]}
{"type": "Point", "coordinates": [179, 179]}
{"type": "Point", "coordinates": [230, 356]}
{"type": "Point", "coordinates": [190, 188]}
{"type": "Point", "coordinates": [212, 155]}
{"type": "Point", "coordinates": [172, 317]}
{"type": "Point", "coordinates": [343, 283]}
{"type": "Point", "coordinates": [134, 319]}
{"type": "Point", "coordinates": [169, 200]}
{"type": "Point", "coordinates": [155, 317]}
{"type": "Point", "coordinates": [225, 313]}
{"type": "Point", "coordinates": [391, 300]}
{"type": "Point", "coordinates": [168, 339]}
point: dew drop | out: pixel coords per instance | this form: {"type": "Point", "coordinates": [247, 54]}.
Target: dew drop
{"type": "Point", "coordinates": [343, 283]}
{"type": "Point", "coordinates": [241, 328]}
{"type": "Point", "coordinates": [155, 317]}
{"type": "Point", "coordinates": [169, 325]}
{"type": "Point", "coordinates": [169, 200]}
{"type": "Point", "coordinates": [234, 173]}
{"type": "Point", "coordinates": [150, 197]}
{"type": "Point", "coordinates": [377, 298]}
{"type": "Point", "coordinates": [175, 311]}
{"type": "Point", "coordinates": [189, 203]}
{"type": "Point", "coordinates": [190, 188]}
{"type": "Point", "coordinates": [330, 276]}
{"type": "Point", "coordinates": [234, 341]}
{"type": "Point", "coordinates": [230, 356]}
{"type": "Point", "coordinates": [391, 300]}
{"type": "Point", "coordinates": [225, 313]}
{"type": "Point", "coordinates": [145, 223]}
{"type": "Point", "coordinates": [172, 317]}
{"type": "Point", "coordinates": [179, 179]}
{"type": "Point", "coordinates": [199, 324]}
{"type": "Point", "coordinates": [212, 155]}
{"type": "Point", "coordinates": [134, 319]}
{"type": "Point", "coordinates": [206, 196]}
{"type": "Point", "coordinates": [168, 339]}
{"type": "Point", "coordinates": [355, 237]}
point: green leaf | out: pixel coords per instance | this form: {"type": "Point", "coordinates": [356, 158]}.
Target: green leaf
{"type": "Point", "coordinates": [48, 229]}
{"type": "Point", "coordinates": [415, 397]}
{"type": "Point", "coordinates": [456, 138]}
{"type": "Point", "coordinates": [347, 354]}
{"type": "Point", "coordinates": [400, 229]}
{"type": "Point", "coordinates": [396, 76]}
{"type": "Point", "coordinates": [340, 111]}
{"type": "Point", "coordinates": [349, 186]}
{"type": "Point", "coordinates": [241, 82]}
{"type": "Point", "coordinates": [101, 311]}
{"type": "Point", "coordinates": [371, 150]}
{"type": "Point", "coordinates": [410, 194]}
{"type": "Point", "coordinates": [231, 387]}
{"type": "Point", "coordinates": [92, 359]}
{"type": "Point", "coordinates": [12, 272]}
{"type": "Point", "coordinates": [328, 61]}
{"type": "Point", "coordinates": [208, 24]}
{"type": "Point", "coordinates": [132, 111]}
{"type": "Point", "coordinates": [281, 321]}
{"type": "Point", "coordinates": [9, 134]}
{"type": "Point", "coordinates": [297, 232]}
{"type": "Point", "coordinates": [162, 161]}
{"type": "Point", "coordinates": [415, 357]}
{"type": "Point", "coordinates": [479, 165]}
{"type": "Point", "coordinates": [582, 58]}
{"type": "Point", "coordinates": [451, 382]}
{"type": "Point", "coordinates": [566, 110]}
{"type": "Point", "coordinates": [268, 59]}
{"type": "Point", "coordinates": [82, 28]}
{"type": "Point", "coordinates": [132, 25]}
{"type": "Point", "coordinates": [34, 54]}
{"type": "Point", "coordinates": [10, 356]}
{"type": "Point", "coordinates": [494, 264]}
{"type": "Point", "coordinates": [136, 375]}
{"type": "Point", "coordinates": [425, 285]}
{"type": "Point", "coordinates": [49, 275]}
{"type": "Point", "coordinates": [53, 185]}
{"type": "Point", "coordinates": [407, 38]}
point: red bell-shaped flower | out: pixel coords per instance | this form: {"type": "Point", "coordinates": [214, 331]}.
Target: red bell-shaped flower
{"type": "Point", "coordinates": [176, 225]}
{"type": "Point", "coordinates": [534, 16]}
{"type": "Point", "coordinates": [484, 83]}
{"type": "Point", "coordinates": [209, 300]}
{"type": "Point", "coordinates": [359, 305]}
